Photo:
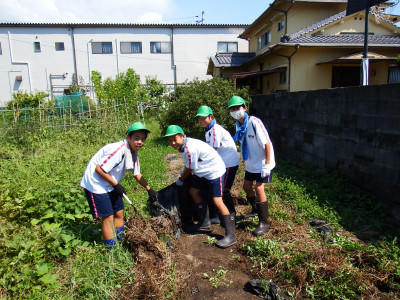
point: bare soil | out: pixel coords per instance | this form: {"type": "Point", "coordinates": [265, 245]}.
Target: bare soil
{"type": "Point", "coordinates": [188, 267]}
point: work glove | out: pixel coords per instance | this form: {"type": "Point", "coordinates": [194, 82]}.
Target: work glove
{"type": "Point", "coordinates": [179, 182]}
{"type": "Point", "coordinates": [119, 189]}
{"type": "Point", "coordinates": [152, 194]}
{"type": "Point", "coordinates": [265, 171]}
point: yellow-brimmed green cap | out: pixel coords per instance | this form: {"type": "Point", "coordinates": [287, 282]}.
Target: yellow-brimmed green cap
{"type": "Point", "coordinates": [204, 111]}
{"type": "Point", "coordinates": [137, 126]}
{"type": "Point", "coordinates": [236, 101]}
{"type": "Point", "coordinates": [173, 129]}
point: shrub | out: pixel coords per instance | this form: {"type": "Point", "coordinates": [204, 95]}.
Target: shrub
{"type": "Point", "coordinates": [182, 105]}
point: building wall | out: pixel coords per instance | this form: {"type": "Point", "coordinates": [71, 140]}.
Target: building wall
{"type": "Point", "coordinates": [192, 50]}
{"type": "Point", "coordinates": [353, 130]}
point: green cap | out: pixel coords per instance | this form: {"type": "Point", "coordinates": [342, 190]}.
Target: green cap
{"type": "Point", "coordinates": [236, 101]}
{"type": "Point", "coordinates": [204, 111]}
{"type": "Point", "coordinates": [173, 129]}
{"type": "Point", "coordinates": [137, 126]}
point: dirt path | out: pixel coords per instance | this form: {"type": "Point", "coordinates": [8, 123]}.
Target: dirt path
{"type": "Point", "coordinates": [228, 269]}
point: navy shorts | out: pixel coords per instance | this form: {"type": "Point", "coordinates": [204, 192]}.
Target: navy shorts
{"type": "Point", "coordinates": [104, 205]}
{"type": "Point", "coordinates": [230, 177]}
{"type": "Point", "coordinates": [216, 186]}
{"type": "Point", "coordinates": [257, 177]}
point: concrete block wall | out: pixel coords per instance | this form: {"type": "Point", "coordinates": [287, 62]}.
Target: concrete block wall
{"type": "Point", "coordinates": [354, 130]}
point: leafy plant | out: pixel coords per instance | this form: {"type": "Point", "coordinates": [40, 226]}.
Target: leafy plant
{"type": "Point", "coordinates": [218, 277]}
{"type": "Point", "coordinates": [181, 106]}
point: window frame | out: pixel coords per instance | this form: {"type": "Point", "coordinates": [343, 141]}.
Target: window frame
{"type": "Point", "coordinates": [131, 44]}
{"type": "Point", "coordinates": [227, 47]}
{"type": "Point", "coordinates": [152, 44]}
{"type": "Point", "coordinates": [282, 77]}
{"type": "Point", "coordinates": [102, 45]}
{"type": "Point", "coordinates": [59, 44]}
{"type": "Point", "coordinates": [1, 50]}
{"type": "Point", "coordinates": [264, 39]}
{"type": "Point", "coordinates": [281, 25]}
{"type": "Point", "coordinates": [36, 47]}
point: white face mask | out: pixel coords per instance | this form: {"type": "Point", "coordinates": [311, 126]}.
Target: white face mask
{"type": "Point", "coordinates": [238, 114]}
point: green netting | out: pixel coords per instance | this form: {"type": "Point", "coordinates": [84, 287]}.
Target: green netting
{"type": "Point", "coordinates": [74, 103]}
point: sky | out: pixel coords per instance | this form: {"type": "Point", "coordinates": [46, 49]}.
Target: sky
{"type": "Point", "coordinates": [137, 11]}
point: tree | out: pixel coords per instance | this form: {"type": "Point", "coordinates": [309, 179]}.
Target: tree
{"type": "Point", "coordinates": [182, 105]}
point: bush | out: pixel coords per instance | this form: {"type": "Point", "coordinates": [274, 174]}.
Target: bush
{"type": "Point", "coordinates": [182, 105]}
{"type": "Point", "coordinates": [22, 99]}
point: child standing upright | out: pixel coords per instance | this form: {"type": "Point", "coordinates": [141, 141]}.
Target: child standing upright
{"type": "Point", "coordinates": [221, 140]}
{"type": "Point", "coordinates": [101, 181]}
{"type": "Point", "coordinates": [258, 154]}
{"type": "Point", "coordinates": [208, 173]}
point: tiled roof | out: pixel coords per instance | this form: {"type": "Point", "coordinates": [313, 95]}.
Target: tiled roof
{"type": "Point", "coordinates": [120, 25]}
{"type": "Point", "coordinates": [314, 26]}
{"type": "Point", "coordinates": [231, 59]}
{"type": "Point", "coordinates": [321, 24]}
{"type": "Point", "coordinates": [350, 39]}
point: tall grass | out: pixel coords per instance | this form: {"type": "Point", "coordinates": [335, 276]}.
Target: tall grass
{"type": "Point", "coordinates": [49, 244]}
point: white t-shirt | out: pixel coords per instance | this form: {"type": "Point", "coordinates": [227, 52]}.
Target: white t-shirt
{"type": "Point", "coordinates": [202, 159]}
{"type": "Point", "coordinates": [257, 136]}
{"type": "Point", "coordinates": [111, 158]}
{"type": "Point", "coordinates": [218, 137]}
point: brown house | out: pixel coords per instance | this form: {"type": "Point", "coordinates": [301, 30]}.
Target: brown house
{"type": "Point", "coordinates": [309, 45]}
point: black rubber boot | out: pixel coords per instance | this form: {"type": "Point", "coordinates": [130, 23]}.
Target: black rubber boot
{"type": "Point", "coordinates": [253, 213]}
{"type": "Point", "coordinates": [203, 216]}
{"type": "Point", "coordinates": [228, 200]}
{"type": "Point", "coordinates": [214, 215]}
{"type": "Point", "coordinates": [263, 226]}
{"type": "Point", "coordinates": [229, 239]}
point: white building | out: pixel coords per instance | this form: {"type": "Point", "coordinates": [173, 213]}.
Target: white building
{"type": "Point", "coordinates": [45, 57]}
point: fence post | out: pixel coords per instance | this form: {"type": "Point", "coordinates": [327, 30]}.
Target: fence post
{"type": "Point", "coordinates": [126, 112]}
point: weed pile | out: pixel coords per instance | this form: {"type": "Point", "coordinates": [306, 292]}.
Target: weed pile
{"type": "Point", "coordinates": [153, 260]}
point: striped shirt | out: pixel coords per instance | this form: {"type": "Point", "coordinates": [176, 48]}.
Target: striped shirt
{"type": "Point", "coordinates": [111, 158]}
{"type": "Point", "coordinates": [202, 159]}
{"type": "Point", "coordinates": [219, 138]}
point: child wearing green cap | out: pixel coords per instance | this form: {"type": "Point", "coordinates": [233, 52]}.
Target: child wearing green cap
{"type": "Point", "coordinates": [258, 154]}
{"type": "Point", "coordinates": [208, 170]}
{"type": "Point", "coordinates": [101, 181]}
{"type": "Point", "coordinates": [221, 140]}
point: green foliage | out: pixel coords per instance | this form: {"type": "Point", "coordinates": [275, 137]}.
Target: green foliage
{"type": "Point", "coordinates": [127, 87]}
{"type": "Point", "coordinates": [218, 278]}
{"type": "Point", "coordinates": [45, 226]}
{"type": "Point", "coordinates": [23, 98]}
{"type": "Point", "coordinates": [182, 105]}
{"type": "Point", "coordinates": [265, 251]}
{"type": "Point", "coordinates": [397, 60]}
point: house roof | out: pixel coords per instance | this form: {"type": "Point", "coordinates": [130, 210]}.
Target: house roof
{"type": "Point", "coordinates": [357, 57]}
{"type": "Point", "coordinates": [231, 59]}
{"type": "Point", "coordinates": [323, 23]}
{"type": "Point", "coordinates": [119, 25]}
{"type": "Point", "coordinates": [345, 40]}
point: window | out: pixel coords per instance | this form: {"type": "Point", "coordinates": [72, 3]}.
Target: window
{"type": "Point", "coordinates": [131, 47]}
{"type": "Point", "coordinates": [102, 48]}
{"type": "Point", "coordinates": [60, 46]}
{"type": "Point", "coordinates": [160, 47]}
{"type": "Point", "coordinates": [264, 40]}
{"type": "Point", "coordinates": [227, 47]}
{"type": "Point", "coordinates": [281, 25]}
{"type": "Point", "coordinates": [282, 77]}
{"type": "Point", "coordinates": [36, 46]}
{"type": "Point", "coordinates": [394, 75]}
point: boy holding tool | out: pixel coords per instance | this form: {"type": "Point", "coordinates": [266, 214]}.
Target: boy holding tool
{"type": "Point", "coordinates": [101, 181]}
